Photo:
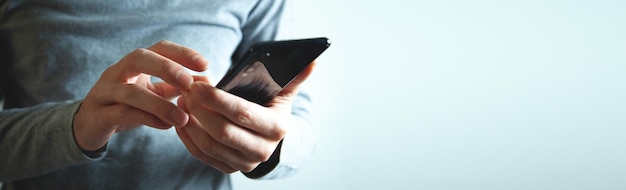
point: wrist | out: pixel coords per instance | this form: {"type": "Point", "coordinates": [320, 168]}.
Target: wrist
{"type": "Point", "coordinates": [87, 146]}
{"type": "Point", "coordinates": [88, 139]}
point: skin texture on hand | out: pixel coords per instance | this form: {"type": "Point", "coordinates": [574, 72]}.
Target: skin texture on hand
{"type": "Point", "coordinates": [230, 133]}
{"type": "Point", "coordinates": [124, 98]}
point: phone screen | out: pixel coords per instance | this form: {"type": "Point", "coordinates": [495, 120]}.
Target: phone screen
{"type": "Point", "coordinates": [254, 83]}
{"type": "Point", "coordinates": [269, 66]}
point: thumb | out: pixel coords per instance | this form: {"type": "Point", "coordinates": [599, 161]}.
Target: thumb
{"type": "Point", "coordinates": [185, 93]}
{"type": "Point", "coordinates": [292, 88]}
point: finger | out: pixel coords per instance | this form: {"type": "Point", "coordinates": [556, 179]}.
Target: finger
{"type": "Point", "coordinates": [195, 152]}
{"type": "Point", "coordinates": [151, 63]}
{"type": "Point", "coordinates": [192, 119]}
{"type": "Point", "coordinates": [249, 143]}
{"type": "Point", "coordinates": [197, 78]}
{"type": "Point", "coordinates": [208, 146]}
{"type": "Point", "coordinates": [236, 109]}
{"type": "Point", "coordinates": [165, 90]}
{"type": "Point", "coordinates": [130, 116]}
{"type": "Point", "coordinates": [184, 93]}
{"type": "Point", "coordinates": [292, 88]}
{"type": "Point", "coordinates": [180, 54]}
{"type": "Point", "coordinates": [144, 99]}
{"type": "Point", "coordinates": [181, 103]}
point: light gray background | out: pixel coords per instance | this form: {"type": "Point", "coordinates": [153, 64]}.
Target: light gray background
{"type": "Point", "coordinates": [454, 94]}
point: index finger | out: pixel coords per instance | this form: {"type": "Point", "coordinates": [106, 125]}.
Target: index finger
{"type": "Point", "coordinates": [180, 54]}
{"type": "Point", "coordinates": [164, 59]}
{"type": "Point", "coordinates": [144, 61]}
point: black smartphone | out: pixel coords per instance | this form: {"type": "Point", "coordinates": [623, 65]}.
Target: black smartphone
{"type": "Point", "coordinates": [267, 67]}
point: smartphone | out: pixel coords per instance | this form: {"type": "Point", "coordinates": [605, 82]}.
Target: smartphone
{"type": "Point", "coordinates": [267, 67]}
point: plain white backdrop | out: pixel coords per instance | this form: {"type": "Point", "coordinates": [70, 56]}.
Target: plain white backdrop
{"type": "Point", "coordinates": [458, 94]}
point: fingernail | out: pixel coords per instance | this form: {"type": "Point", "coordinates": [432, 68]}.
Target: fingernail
{"type": "Point", "coordinates": [180, 118]}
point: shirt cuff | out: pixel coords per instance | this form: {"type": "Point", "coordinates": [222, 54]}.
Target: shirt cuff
{"type": "Point", "coordinates": [89, 155]}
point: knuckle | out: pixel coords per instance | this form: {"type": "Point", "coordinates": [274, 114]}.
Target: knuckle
{"type": "Point", "coordinates": [139, 52]}
{"type": "Point", "coordinates": [244, 114]}
{"type": "Point", "coordinates": [210, 150]}
{"type": "Point", "coordinates": [187, 52]}
{"type": "Point", "coordinates": [262, 155]}
{"type": "Point", "coordinates": [163, 42]}
{"type": "Point", "coordinates": [227, 135]}
{"type": "Point", "coordinates": [278, 132]}
{"type": "Point", "coordinates": [132, 57]}
{"type": "Point", "coordinates": [267, 154]}
{"type": "Point", "coordinates": [166, 65]}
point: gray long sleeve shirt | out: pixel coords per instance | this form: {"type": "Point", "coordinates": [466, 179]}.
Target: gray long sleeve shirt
{"type": "Point", "coordinates": [53, 51]}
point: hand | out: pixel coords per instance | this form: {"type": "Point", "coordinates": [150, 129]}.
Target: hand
{"type": "Point", "coordinates": [124, 98]}
{"type": "Point", "coordinates": [230, 133]}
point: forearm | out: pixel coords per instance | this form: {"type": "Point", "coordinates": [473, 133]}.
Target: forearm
{"type": "Point", "coordinates": [37, 140]}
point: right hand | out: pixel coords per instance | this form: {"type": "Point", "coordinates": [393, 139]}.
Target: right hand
{"type": "Point", "coordinates": [124, 98]}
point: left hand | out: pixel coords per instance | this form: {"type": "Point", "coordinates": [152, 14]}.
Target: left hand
{"type": "Point", "coordinates": [230, 133]}
{"type": "Point", "coordinates": [124, 97]}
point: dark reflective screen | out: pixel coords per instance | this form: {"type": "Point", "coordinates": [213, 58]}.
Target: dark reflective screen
{"type": "Point", "coordinates": [254, 83]}
{"type": "Point", "coordinates": [269, 66]}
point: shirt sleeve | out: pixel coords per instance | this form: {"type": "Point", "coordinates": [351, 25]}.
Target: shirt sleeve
{"type": "Point", "coordinates": [38, 139]}
{"type": "Point", "coordinates": [266, 23]}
